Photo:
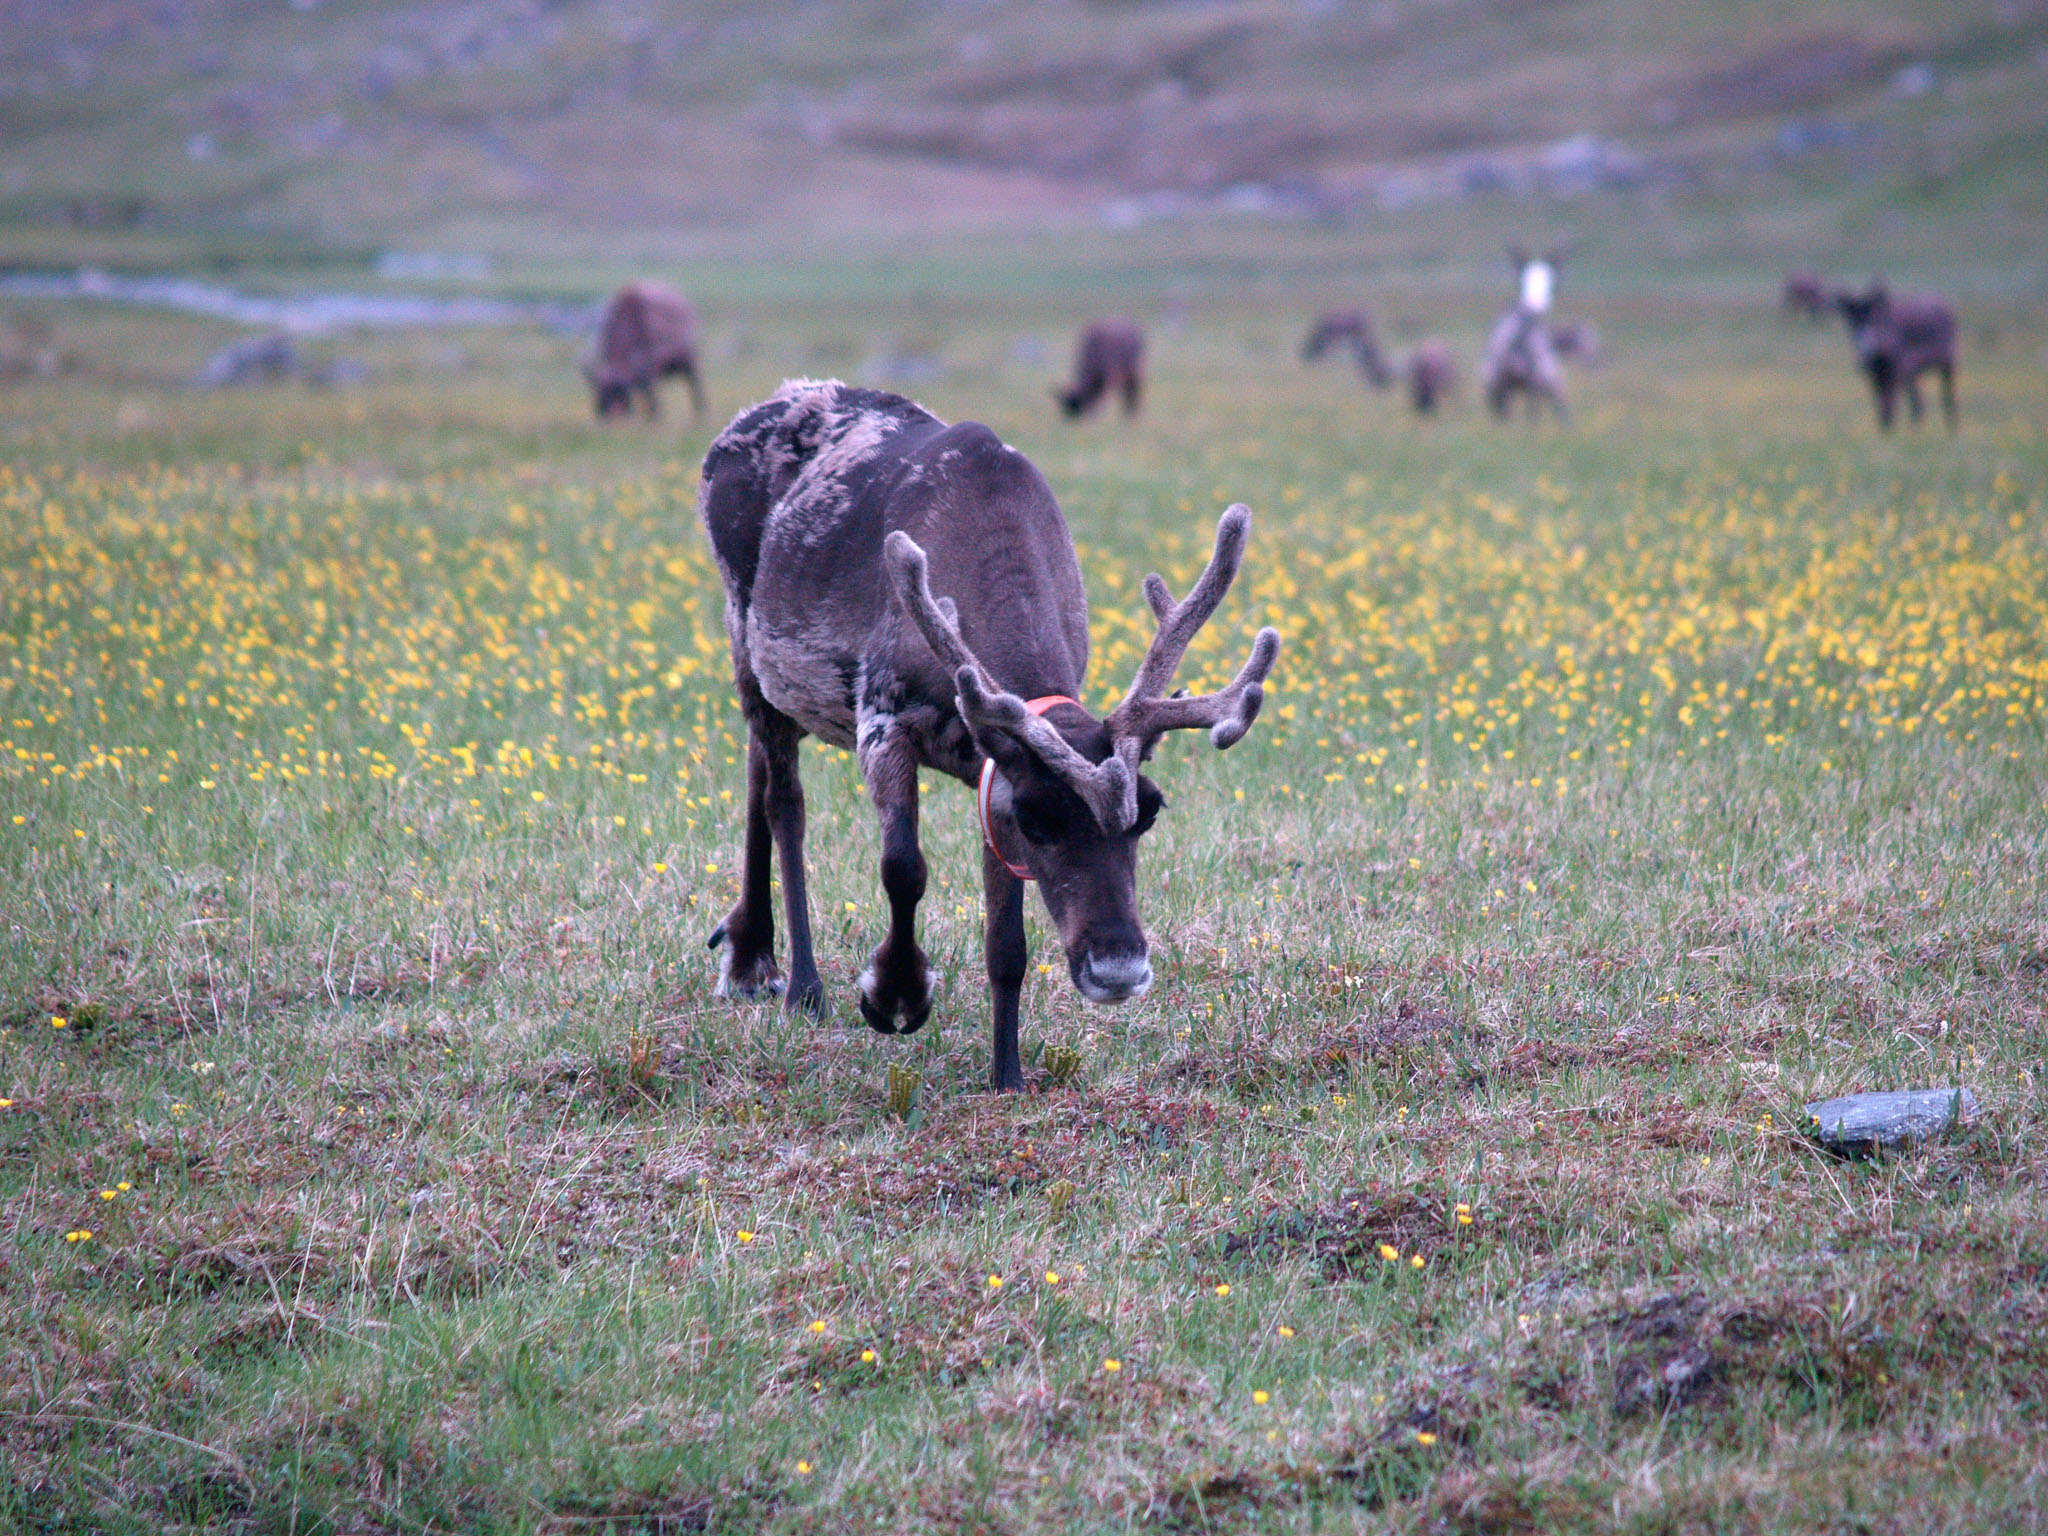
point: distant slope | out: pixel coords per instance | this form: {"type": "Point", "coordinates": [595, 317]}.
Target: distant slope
{"type": "Point", "coordinates": [588, 128]}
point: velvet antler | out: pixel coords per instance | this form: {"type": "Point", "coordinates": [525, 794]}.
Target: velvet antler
{"type": "Point", "coordinates": [1145, 711]}
{"type": "Point", "coordinates": [1109, 789]}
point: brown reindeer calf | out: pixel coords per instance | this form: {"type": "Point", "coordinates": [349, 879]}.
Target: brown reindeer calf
{"type": "Point", "coordinates": [1899, 339]}
{"type": "Point", "coordinates": [1112, 356]}
{"type": "Point", "coordinates": [647, 332]}
{"type": "Point", "coordinates": [1432, 376]}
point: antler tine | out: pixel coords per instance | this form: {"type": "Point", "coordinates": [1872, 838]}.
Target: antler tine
{"type": "Point", "coordinates": [1180, 622]}
{"type": "Point", "coordinates": [1108, 789]}
{"type": "Point", "coordinates": [908, 574]}
{"type": "Point", "coordinates": [1228, 714]}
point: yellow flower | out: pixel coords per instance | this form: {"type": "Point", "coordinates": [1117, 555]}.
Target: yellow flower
{"type": "Point", "coordinates": [867, 1357]}
{"type": "Point", "coordinates": [1262, 1397]}
{"type": "Point", "coordinates": [1223, 1289]}
{"type": "Point", "coordinates": [1424, 1437]}
{"type": "Point", "coordinates": [106, 1194]}
{"type": "Point", "coordinates": [1416, 1260]}
{"type": "Point", "coordinates": [1464, 1214]}
{"type": "Point", "coordinates": [58, 1021]}
{"type": "Point", "coordinates": [660, 868]}
{"type": "Point", "coordinates": [1112, 1366]}
{"type": "Point", "coordinates": [995, 1282]}
{"type": "Point", "coordinates": [818, 1326]}
{"type": "Point", "coordinates": [744, 1235]}
{"type": "Point", "coordinates": [1284, 1331]}
{"type": "Point", "coordinates": [1390, 1253]}
{"type": "Point", "coordinates": [803, 1469]}
{"type": "Point", "coordinates": [1052, 1277]}
{"type": "Point", "coordinates": [6, 1103]}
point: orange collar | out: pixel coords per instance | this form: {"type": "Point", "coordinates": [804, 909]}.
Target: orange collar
{"type": "Point", "coordinates": [988, 779]}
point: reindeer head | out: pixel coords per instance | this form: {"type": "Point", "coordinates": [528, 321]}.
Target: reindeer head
{"type": "Point", "coordinates": [1066, 800]}
{"type": "Point", "coordinates": [1865, 314]}
{"type": "Point", "coordinates": [612, 390]}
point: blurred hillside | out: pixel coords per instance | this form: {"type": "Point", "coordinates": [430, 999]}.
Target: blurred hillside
{"type": "Point", "coordinates": [568, 137]}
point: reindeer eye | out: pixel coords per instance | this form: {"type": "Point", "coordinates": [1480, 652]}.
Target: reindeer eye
{"type": "Point", "coordinates": [1036, 826]}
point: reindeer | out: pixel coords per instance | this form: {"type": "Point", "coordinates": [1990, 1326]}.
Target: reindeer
{"type": "Point", "coordinates": [1111, 356]}
{"type": "Point", "coordinates": [1804, 295]}
{"type": "Point", "coordinates": [1578, 341]}
{"type": "Point", "coordinates": [834, 513]}
{"type": "Point", "coordinates": [1349, 328]}
{"type": "Point", "coordinates": [1899, 339]}
{"type": "Point", "coordinates": [647, 331]}
{"type": "Point", "coordinates": [1520, 358]}
{"type": "Point", "coordinates": [1432, 376]}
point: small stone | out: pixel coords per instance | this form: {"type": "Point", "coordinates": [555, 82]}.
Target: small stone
{"type": "Point", "coordinates": [1868, 1122]}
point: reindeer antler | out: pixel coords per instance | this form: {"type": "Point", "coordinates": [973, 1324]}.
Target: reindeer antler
{"type": "Point", "coordinates": [1145, 711]}
{"type": "Point", "coordinates": [1109, 789]}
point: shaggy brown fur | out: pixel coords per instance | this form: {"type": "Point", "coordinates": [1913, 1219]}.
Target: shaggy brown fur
{"type": "Point", "coordinates": [647, 332]}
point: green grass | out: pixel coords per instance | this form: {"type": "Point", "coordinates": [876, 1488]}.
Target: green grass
{"type": "Point", "coordinates": [1622, 787]}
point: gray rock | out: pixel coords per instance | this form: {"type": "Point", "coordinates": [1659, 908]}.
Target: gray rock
{"type": "Point", "coordinates": [1869, 1122]}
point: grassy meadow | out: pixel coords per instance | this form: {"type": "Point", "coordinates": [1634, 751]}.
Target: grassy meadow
{"type": "Point", "coordinates": [375, 1158]}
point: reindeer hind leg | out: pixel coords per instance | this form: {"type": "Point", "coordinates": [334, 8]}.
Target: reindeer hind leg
{"type": "Point", "coordinates": [746, 967]}
{"type": "Point", "coordinates": [784, 804]}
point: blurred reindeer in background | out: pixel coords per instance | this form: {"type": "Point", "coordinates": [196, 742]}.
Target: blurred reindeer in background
{"type": "Point", "coordinates": [1111, 356]}
{"type": "Point", "coordinates": [1804, 295]}
{"type": "Point", "coordinates": [1430, 374]}
{"type": "Point", "coordinates": [646, 333]}
{"type": "Point", "coordinates": [1521, 358]}
{"type": "Point", "coordinates": [1899, 339]}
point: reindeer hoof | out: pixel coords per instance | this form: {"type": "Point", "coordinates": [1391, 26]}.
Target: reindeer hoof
{"type": "Point", "coordinates": [900, 1009]}
{"type": "Point", "coordinates": [747, 979]}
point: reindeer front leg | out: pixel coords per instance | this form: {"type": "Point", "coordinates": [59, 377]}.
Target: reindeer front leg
{"type": "Point", "coordinates": [897, 983]}
{"type": "Point", "coordinates": [1007, 956]}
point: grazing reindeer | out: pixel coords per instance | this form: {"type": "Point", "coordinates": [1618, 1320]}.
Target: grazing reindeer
{"type": "Point", "coordinates": [1578, 341]}
{"type": "Point", "coordinates": [1112, 356]}
{"type": "Point", "coordinates": [1429, 371]}
{"type": "Point", "coordinates": [1899, 339]}
{"type": "Point", "coordinates": [647, 332]}
{"type": "Point", "coordinates": [1804, 295]}
{"type": "Point", "coordinates": [1432, 376]}
{"type": "Point", "coordinates": [1349, 328]}
{"type": "Point", "coordinates": [834, 513]}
